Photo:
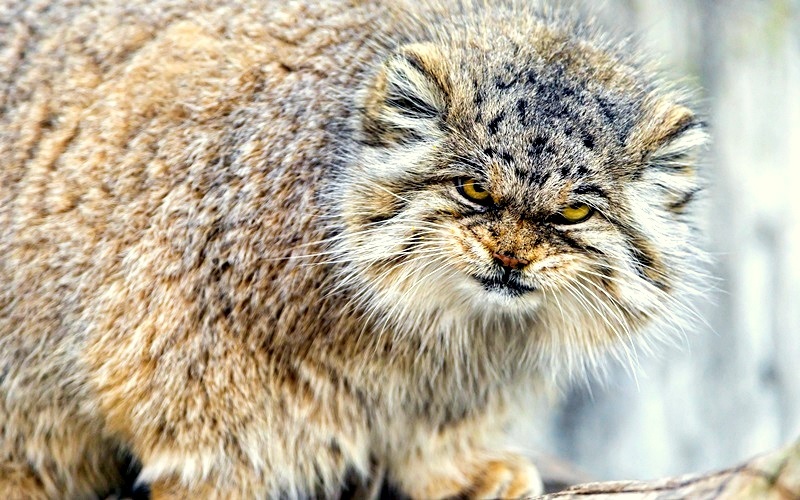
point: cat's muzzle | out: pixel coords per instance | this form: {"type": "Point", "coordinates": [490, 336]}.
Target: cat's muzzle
{"type": "Point", "coordinates": [509, 282]}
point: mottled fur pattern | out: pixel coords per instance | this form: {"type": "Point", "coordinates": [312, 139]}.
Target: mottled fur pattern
{"type": "Point", "coordinates": [232, 243]}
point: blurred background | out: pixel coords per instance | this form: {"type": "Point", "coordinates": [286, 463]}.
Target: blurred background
{"type": "Point", "coordinates": [731, 389]}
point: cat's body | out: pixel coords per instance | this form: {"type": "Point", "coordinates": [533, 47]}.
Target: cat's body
{"type": "Point", "coordinates": [235, 242]}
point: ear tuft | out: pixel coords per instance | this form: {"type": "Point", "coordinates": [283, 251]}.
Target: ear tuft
{"type": "Point", "coordinates": [408, 96]}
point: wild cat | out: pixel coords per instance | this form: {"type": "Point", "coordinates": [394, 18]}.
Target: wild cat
{"type": "Point", "coordinates": [261, 246]}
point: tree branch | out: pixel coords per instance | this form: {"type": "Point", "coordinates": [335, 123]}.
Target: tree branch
{"type": "Point", "coordinates": [772, 476]}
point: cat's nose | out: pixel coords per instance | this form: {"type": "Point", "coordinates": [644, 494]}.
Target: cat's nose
{"type": "Point", "coordinates": [510, 261]}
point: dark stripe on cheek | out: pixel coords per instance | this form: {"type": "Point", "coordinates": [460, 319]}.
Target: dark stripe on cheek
{"type": "Point", "coordinates": [595, 250]}
{"type": "Point", "coordinates": [645, 260]}
{"type": "Point", "coordinates": [604, 271]}
{"type": "Point", "coordinates": [472, 224]}
{"type": "Point", "coordinates": [607, 276]}
{"type": "Point", "coordinates": [647, 265]}
{"type": "Point", "coordinates": [385, 211]}
{"type": "Point", "coordinates": [379, 133]}
{"type": "Point", "coordinates": [572, 242]}
{"type": "Point", "coordinates": [416, 237]}
{"type": "Point", "coordinates": [679, 206]}
{"type": "Point", "coordinates": [379, 218]}
{"type": "Point", "coordinates": [642, 263]}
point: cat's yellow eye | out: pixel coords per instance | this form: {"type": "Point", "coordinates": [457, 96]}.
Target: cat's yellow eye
{"type": "Point", "coordinates": [474, 192]}
{"type": "Point", "coordinates": [574, 214]}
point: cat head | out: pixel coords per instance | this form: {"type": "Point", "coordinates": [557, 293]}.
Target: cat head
{"type": "Point", "coordinates": [537, 179]}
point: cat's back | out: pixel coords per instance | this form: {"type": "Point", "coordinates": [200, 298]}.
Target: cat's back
{"type": "Point", "coordinates": [102, 103]}
{"type": "Point", "coordinates": [143, 142]}
{"type": "Point", "coordinates": [159, 162]}
{"type": "Point", "coordinates": [158, 166]}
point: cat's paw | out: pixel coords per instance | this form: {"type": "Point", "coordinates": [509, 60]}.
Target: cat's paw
{"type": "Point", "coordinates": [511, 476]}
{"type": "Point", "coordinates": [506, 475]}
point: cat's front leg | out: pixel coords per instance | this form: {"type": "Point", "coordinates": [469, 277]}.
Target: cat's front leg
{"type": "Point", "coordinates": [297, 463]}
{"type": "Point", "coordinates": [458, 460]}
{"type": "Point", "coordinates": [484, 475]}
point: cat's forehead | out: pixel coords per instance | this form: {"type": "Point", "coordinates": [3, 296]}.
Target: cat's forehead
{"type": "Point", "coordinates": [543, 120]}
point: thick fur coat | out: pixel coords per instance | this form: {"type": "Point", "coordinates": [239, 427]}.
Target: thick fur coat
{"type": "Point", "coordinates": [205, 210]}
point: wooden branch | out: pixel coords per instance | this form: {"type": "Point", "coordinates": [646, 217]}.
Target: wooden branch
{"type": "Point", "coordinates": [771, 476]}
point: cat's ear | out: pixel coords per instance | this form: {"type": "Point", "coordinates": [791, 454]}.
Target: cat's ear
{"type": "Point", "coordinates": [672, 140]}
{"type": "Point", "coordinates": [408, 97]}
{"type": "Point", "coordinates": [675, 138]}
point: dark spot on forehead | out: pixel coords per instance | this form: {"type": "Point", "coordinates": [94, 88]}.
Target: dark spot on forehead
{"type": "Point", "coordinates": [507, 78]}
{"type": "Point", "coordinates": [550, 109]}
{"type": "Point", "coordinates": [507, 157]}
{"type": "Point", "coordinates": [568, 91]}
{"type": "Point", "coordinates": [502, 84]}
{"type": "Point", "coordinates": [566, 171]}
{"type": "Point", "coordinates": [588, 140]}
{"type": "Point", "coordinates": [473, 164]}
{"type": "Point", "coordinates": [479, 96]}
{"type": "Point", "coordinates": [533, 177]}
{"type": "Point", "coordinates": [618, 114]}
{"type": "Point", "coordinates": [522, 109]}
{"type": "Point", "coordinates": [608, 108]}
{"type": "Point", "coordinates": [527, 117]}
{"type": "Point", "coordinates": [494, 125]}
{"type": "Point", "coordinates": [537, 147]}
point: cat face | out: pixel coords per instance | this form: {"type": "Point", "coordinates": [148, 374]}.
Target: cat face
{"type": "Point", "coordinates": [520, 187]}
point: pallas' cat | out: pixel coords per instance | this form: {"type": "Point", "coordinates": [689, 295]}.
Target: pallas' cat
{"type": "Point", "coordinates": [261, 246]}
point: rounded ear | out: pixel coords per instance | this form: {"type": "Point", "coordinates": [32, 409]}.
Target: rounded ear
{"type": "Point", "coordinates": [408, 96]}
{"type": "Point", "coordinates": [675, 136]}
{"type": "Point", "coordinates": [671, 139]}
